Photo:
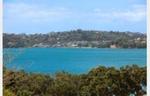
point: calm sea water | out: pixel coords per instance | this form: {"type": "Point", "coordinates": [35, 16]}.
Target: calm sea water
{"type": "Point", "coordinates": [73, 60]}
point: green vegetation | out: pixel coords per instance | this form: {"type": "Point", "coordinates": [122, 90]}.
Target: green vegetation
{"type": "Point", "coordinates": [77, 38]}
{"type": "Point", "coordinates": [101, 81]}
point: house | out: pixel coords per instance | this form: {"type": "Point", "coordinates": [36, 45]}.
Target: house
{"type": "Point", "coordinates": [113, 46]}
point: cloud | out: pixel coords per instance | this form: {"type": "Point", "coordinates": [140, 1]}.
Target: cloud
{"type": "Point", "coordinates": [37, 13]}
{"type": "Point", "coordinates": [34, 12]}
{"type": "Point", "coordinates": [136, 14]}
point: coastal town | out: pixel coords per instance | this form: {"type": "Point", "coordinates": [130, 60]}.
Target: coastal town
{"type": "Point", "coordinates": [77, 39]}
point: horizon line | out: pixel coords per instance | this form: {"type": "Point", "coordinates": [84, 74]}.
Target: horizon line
{"type": "Point", "coordinates": [73, 30]}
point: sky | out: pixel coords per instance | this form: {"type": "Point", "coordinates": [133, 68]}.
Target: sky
{"type": "Point", "coordinates": [43, 16]}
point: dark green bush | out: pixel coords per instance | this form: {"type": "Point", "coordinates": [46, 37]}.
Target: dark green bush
{"type": "Point", "coordinates": [101, 81]}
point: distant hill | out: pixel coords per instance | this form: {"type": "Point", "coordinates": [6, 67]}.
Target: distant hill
{"type": "Point", "coordinates": [77, 38]}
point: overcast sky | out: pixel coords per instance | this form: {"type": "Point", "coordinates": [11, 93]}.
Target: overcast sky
{"type": "Point", "coordinates": [42, 16]}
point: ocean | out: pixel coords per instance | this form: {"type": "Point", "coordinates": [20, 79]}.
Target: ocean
{"type": "Point", "coordinates": [72, 60]}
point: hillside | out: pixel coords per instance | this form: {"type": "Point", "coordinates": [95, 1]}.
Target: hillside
{"type": "Point", "coordinates": [76, 38]}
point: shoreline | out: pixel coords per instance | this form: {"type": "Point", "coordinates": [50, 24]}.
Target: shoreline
{"type": "Point", "coordinates": [69, 48]}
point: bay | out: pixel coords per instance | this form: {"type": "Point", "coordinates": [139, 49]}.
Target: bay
{"type": "Point", "coordinates": [72, 60]}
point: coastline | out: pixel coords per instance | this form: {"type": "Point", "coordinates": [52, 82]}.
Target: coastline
{"type": "Point", "coordinates": [72, 48]}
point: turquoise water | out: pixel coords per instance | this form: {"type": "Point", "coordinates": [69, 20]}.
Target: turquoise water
{"type": "Point", "coordinates": [73, 60]}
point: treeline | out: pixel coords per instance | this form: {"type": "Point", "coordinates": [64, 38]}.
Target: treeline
{"type": "Point", "coordinates": [76, 38]}
{"type": "Point", "coordinates": [101, 81]}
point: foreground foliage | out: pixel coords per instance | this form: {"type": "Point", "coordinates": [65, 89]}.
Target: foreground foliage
{"type": "Point", "coordinates": [101, 81]}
